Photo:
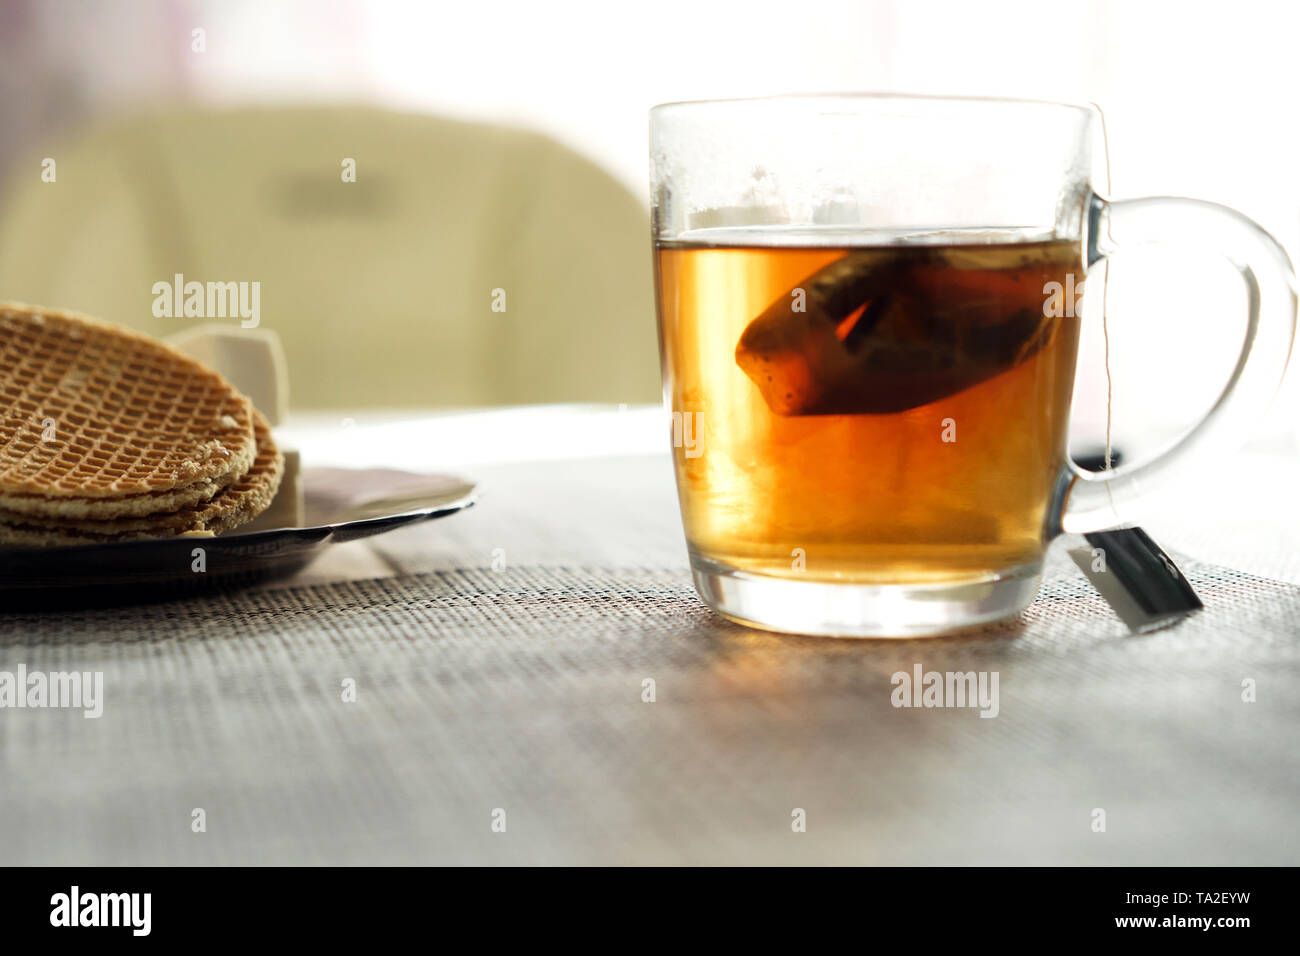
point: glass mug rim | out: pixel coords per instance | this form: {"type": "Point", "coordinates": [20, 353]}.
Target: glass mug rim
{"type": "Point", "coordinates": [1089, 109]}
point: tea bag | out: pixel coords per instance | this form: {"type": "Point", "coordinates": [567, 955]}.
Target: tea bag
{"type": "Point", "coordinates": [1137, 579]}
{"type": "Point", "coordinates": [888, 329]}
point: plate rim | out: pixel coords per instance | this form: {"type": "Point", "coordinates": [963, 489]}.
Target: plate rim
{"type": "Point", "coordinates": [455, 505]}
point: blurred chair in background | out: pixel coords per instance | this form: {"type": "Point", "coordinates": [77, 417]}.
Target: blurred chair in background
{"type": "Point", "coordinates": [386, 291]}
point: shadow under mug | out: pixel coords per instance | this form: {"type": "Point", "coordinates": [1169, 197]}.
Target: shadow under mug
{"type": "Point", "coordinates": [869, 314]}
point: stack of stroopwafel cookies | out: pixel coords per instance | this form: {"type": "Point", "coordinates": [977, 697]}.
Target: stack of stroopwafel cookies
{"type": "Point", "coordinates": [107, 434]}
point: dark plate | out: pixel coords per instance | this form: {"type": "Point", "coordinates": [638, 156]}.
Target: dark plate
{"type": "Point", "coordinates": [338, 505]}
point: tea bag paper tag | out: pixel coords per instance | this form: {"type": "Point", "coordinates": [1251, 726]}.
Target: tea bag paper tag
{"type": "Point", "coordinates": [1138, 580]}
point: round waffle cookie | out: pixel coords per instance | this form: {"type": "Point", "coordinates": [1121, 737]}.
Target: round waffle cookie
{"type": "Point", "coordinates": [93, 415]}
{"type": "Point", "coordinates": [127, 506]}
{"type": "Point", "coordinates": [236, 504]}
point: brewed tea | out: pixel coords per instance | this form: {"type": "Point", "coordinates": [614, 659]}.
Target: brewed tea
{"type": "Point", "coordinates": [879, 411]}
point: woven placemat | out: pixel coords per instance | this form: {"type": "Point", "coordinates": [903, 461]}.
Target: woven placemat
{"type": "Point", "coordinates": [523, 691]}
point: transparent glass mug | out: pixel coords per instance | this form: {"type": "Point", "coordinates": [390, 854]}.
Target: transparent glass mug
{"type": "Point", "coordinates": [868, 315]}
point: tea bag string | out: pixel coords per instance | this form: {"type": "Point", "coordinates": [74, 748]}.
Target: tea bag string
{"type": "Point", "coordinates": [1105, 294]}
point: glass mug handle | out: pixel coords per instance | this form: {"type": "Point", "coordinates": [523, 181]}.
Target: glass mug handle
{"type": "Point", "coordinates": [1092, 501]}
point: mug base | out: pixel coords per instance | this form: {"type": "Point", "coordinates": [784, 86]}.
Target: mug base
{"type": "Point", "coordinates": [826, 609]}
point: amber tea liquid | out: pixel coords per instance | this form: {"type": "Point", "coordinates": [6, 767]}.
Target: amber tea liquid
{"type": "Point", "coordinates": [881, 411]}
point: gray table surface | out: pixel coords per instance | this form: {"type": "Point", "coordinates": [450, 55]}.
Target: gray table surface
{"type": "Point", "coordinates": [519, 688]}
